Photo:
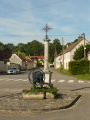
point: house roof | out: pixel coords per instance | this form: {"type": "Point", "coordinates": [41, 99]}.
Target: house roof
{"type": "Point", "coordinates": [24, 59]}
{"type": "Point", "coordinates": [37, 57]}
{"type": "Point", "coordinates": [21, 57]}
{"type": "Point", "coordinates": [70, 47]}
{"type": "Point", "coordinates": [29, 60]}
{"type": "Point", "coordinates": [5, 55]}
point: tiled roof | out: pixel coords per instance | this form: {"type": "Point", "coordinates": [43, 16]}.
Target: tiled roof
{"type": "Point", "coordinates": [5, 55]}
{"type": "Point", "coordinates": [21, 57]}
{"type": "Point", "coordinates": [70, 47]}
{"type": "Point", "coordinates": [29, 60]}
{"type": "Point", "coordinates": [24, 59]}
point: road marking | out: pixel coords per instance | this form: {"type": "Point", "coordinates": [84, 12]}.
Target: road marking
{"type": "Point", "coordinates": [18, 80]}
{"type": "Point", "coordinates": [25, 80]}
{"type": "Point", "coordinates": [80, 81]}
{"type": "Point", "coordinates": [70, 81]}
{"type": "Point", "coordinates": [3, 79]}
{"type": "Point", "coordinates": [61, 81]}
{"type": "Point", "coordinates": [9, 80]}
{"type": "Point", "coordinates": [52, 80]}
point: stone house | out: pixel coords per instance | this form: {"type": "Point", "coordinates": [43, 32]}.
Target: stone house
{"type": "Point", "coordinates": [17, 60]}
{"type": "Point", "coordinates": [67, 56]}
{"type": "Point", "coordinates": [37, 59]}
{"type": "Point", "coordinates": [21, 62]}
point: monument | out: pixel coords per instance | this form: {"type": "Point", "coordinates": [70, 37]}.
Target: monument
{"type": "Point", "coordinates": [47, 72]}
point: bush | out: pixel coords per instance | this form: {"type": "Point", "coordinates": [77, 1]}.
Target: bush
{"type": "Point", "coordinates": [79, 67]}
{"type": "Point", "coordinates": [39, 64]}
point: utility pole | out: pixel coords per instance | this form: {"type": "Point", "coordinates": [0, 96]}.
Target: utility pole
{"type": "Point", "coordinates": [83, 34]}
{"type": "Point", "coordinates": [63, 50]}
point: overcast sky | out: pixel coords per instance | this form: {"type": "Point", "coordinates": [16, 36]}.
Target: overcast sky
{"type": "Point", "coordinates": [21, 21]}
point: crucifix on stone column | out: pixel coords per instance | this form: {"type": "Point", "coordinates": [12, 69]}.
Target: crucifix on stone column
{"type": "Point", "coordinates": [46, 52]}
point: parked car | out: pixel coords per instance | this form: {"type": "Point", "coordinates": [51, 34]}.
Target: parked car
{"type": "Point", "coordinates": [13, 71]}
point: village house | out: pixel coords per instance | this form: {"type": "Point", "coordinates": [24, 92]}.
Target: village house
{"type": "Point", "coordinates": [67, 56]}
{"type": "Point", "coordinates": [20, 62]}
{"type": "Point", "coordinates": [37, 59]}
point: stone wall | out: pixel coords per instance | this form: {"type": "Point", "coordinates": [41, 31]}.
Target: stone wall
{"type": "Point", "coordinates": [3, 66]}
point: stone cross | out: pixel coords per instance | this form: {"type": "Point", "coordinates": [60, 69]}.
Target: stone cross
{"type": "Point", "coordinates": [46, 52]}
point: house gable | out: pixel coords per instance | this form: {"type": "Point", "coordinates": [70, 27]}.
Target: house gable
{"type": "Point", "coordinates": [69, 52]}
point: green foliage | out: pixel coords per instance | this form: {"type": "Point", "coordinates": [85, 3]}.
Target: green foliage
{"type": "Point", "coordinates": [35, 48]}
{"type": "Point", "coordinates": [6, 60]}
{"type": "Point", "coordinates": [20, 53]}
{"type": "Point", "coordinates": [54, 49]}
{"type": "Point", "coordinates": [38, 89]}
{"type": "Point", "coordinates": [39, 64]}
{"type": "Point", "coordinates": [79, 67]}
{"type": "Point", "coordinates": [79, 53]}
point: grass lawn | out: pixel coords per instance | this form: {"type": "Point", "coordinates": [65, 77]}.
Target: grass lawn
{"type": "Point", "coordinates": [80, 77]}
{"type": "Point", "coordinates": [83, 77]}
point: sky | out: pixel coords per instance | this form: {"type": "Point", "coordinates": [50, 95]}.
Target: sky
{"type": "Point", "coordinates": [22, 21]}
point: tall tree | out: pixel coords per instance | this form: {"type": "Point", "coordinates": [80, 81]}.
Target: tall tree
{"type": "Point", "coordinates": [54, 48]}
{"type": "Point", "coordinates": [35, 48]}
{"type": "Point", "coordinates": [79, 53]}
{"type": "Point", "coordinates": [9, 47]}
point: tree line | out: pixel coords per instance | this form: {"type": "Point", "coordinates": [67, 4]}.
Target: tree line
{"type": "Point", "coordinates": [33, 48]}
{"type": "Point", "coordinates": [36, 48]}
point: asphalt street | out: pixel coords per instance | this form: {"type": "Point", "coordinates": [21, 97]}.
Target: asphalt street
{"type": "Point", "coordinates": [15, 83]}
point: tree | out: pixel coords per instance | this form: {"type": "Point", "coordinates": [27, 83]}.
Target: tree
{"type": "Point", "coordinates": [35, 48]}
{"type": "Point", "coordinates": [9, 47]}
{"type": "Point", "coordinates": [20, 53]}
{"type": "Point", "coordinates": [57, 45]}
{"type": "Point", "coordinates": [1, 47]}
{"type": "Point", "coordinates": [20, 47]}
{"type": "Point", "coordinates": [54, 48]}
{"type": "Point", "coordinates": [79, 53]}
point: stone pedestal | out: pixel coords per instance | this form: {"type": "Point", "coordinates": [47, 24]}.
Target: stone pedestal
{"type": "Point", "coordinates": [46, 64]}
{"type": "Point", "coordinates": [48, 77]}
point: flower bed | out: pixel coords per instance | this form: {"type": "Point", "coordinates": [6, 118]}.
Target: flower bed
{"type": "Point", "coordinates": [39, 93]}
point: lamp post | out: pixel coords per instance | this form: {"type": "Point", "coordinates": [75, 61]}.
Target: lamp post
{"type": "Point", "coordinates": [46, 52]}
{"type": "Point", "coordinates": [83, 34]}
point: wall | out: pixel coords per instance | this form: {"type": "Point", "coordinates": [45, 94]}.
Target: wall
{"type": "Point", "coordinates": [3, 66]}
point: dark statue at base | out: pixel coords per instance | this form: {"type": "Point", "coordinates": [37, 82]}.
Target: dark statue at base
{"type": "Point", "coordinates": [37, 76]}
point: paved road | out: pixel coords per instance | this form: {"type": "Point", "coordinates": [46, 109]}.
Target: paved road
{"type": "Point", "coordinates": [62, 82]}
{"type": "Point", "coordinates": [9, 83]}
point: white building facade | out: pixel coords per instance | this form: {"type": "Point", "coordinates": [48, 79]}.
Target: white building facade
{"type": "Point", "coordinates": [69, 53]}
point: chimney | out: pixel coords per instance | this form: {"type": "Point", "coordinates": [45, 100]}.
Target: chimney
{"type": "Point", "coordinates": [67, 45]}
{"type": "Point", "coordinates": [80, 38]}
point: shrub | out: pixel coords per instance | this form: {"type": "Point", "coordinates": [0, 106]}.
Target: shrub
{"type": "Point", "coordinates": [39, 64]}
{"type": "Point", "coordinates": [79, 67]}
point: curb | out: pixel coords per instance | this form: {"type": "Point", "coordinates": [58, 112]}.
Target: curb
{"type": "Point", "coordinates": [45, 110]}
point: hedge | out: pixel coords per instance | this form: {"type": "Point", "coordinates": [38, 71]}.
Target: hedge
{"type": "Point", "coordinates": [79, 67]}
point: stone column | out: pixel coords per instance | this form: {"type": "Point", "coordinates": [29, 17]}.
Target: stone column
{"type": "Point", "coordinates": [46, 64]}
